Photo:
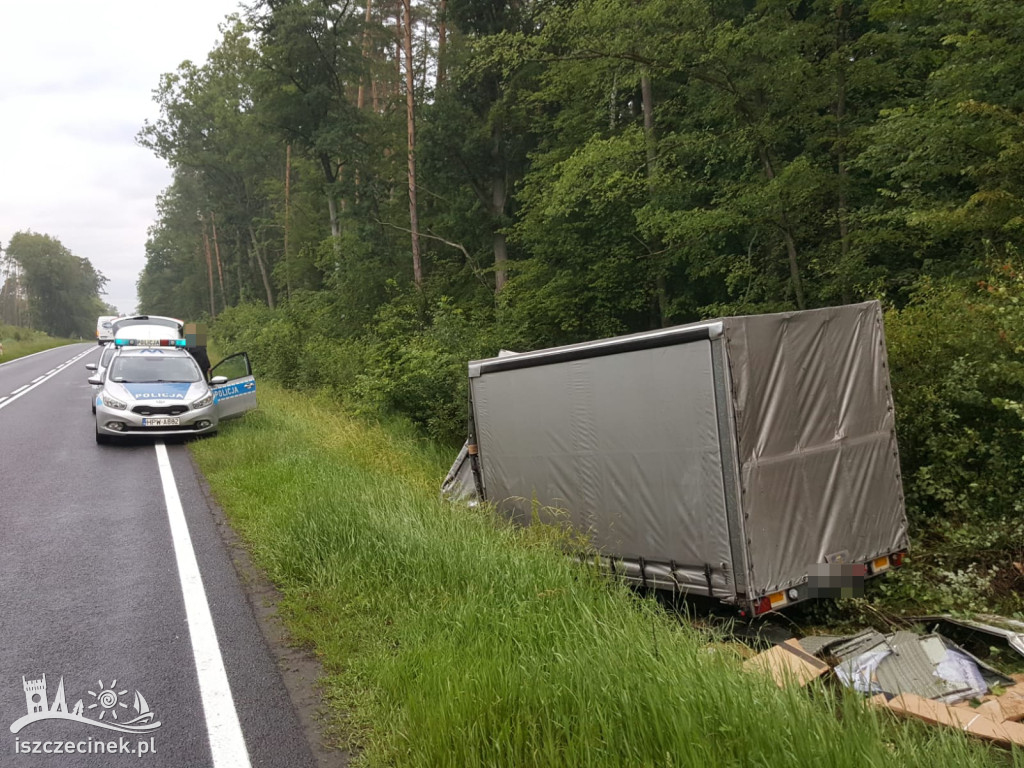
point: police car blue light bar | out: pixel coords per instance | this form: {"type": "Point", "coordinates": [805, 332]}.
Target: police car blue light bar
{"type": "Point", "coordinates": [150, 342]}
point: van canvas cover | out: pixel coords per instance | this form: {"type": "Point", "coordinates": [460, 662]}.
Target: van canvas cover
{"type": "Point", "coordinates": [731, 454]}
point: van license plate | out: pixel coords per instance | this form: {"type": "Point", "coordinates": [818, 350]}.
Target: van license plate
{"type": "Point", "coordinates": [161, 422]}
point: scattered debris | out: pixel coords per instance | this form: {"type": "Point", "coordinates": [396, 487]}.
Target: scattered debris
{"type": "Point", "coordinates": [1012, 703]}
{"type": "Point", "coordinates": [969, 720]}
{"type": "Point", "coordinates": [788, 664]}
{"type": "Point", "coordinates": [814, 644]}
{"type": "Point", "coordinates": [1010, 631]}
{"type": "Point", "coordinates": [928, 676]}
{"type": "Point", "coordinates": [930, 666]}
{"type": "Point", "coordinates": [925, 676]}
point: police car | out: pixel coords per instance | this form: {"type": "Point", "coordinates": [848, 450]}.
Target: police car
{"type": "Point", "coordinates": [154, 387]}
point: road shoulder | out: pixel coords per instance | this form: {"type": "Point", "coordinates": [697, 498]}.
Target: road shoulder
{"type": "Point", "coordinates": [299, 668]}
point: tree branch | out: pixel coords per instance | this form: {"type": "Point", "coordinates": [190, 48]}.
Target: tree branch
{"type": "Point", "coordinates": [477, 272]}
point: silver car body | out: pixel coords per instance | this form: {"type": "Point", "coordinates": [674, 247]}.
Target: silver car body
{"type": "Point", "coordinates": [100, 368]}
{"type": "Point", "coordinates": [160, 391]}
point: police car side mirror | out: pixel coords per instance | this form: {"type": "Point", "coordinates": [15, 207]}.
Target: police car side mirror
{"type": "Point", "coordinates": [95, 380]}
{"type": "Point", "coordinates": [90, 366]}
{"type": "Point", "coordinates": [219, 380]}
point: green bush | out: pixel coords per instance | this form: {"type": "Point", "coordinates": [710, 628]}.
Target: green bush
{"type": "Point", "coordinates": [409, 361]}
{"type": "Point", "coordinates": [957, 377]}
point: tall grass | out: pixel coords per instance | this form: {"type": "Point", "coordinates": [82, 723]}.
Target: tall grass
{"type": "Point", "coordinates": [19, 342]}
{"type": "Point", "coordinates": [452, 639]}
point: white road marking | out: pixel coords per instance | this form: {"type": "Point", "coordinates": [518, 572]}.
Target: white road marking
{"type": "Point", "coordinates": [3, 398]}
{"type": "Point", "coordinates": [26, 357]}
{"type": "Point", "coordinates": [37, 379]}
{"type": "Point", "coordinates": [227, 744]}
{"type": "Point", "coordinates": [23, 386]}
{"type": "Point", "coordinates": [29, 387]}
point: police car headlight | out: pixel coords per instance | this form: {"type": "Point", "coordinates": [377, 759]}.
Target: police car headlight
{"type": "Point", "coordinates": [202, 402]}
{"type": "Point", "coordinates": [113, 402]}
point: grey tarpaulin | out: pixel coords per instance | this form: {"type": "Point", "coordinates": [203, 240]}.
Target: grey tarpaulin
{"type": "Point", "coordinates": [741, 450]}
{"type": "Point", "coordinates": [816, 437]}
{"type": "Point", "coordinates": [459, 484]}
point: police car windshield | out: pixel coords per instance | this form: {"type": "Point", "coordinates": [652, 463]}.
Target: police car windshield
{"type": "Point", "coordinates": [144, 369]}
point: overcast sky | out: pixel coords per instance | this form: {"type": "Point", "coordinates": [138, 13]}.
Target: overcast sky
{"type": "Point", "coordinates": [76, 82]}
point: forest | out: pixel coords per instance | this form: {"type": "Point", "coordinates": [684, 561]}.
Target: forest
{"type": "Point", "coordinates": [366, 196]}
{"type": "Point", "coordinates": [44, 286]}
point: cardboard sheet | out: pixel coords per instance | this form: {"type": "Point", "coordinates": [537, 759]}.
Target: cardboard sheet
{"type": "Point", "coordinates": [788, 664]}
{"type": "Point", "coordinates": [966, 719]}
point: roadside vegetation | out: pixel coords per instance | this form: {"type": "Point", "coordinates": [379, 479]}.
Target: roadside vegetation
{"type": "Point", "coordinates": [383, 196]}
{"type": "Point", "coordinates": [450, 638]}
{"type": "Point", "coordinates": [19, 342]}
{"type": "Point", "coordinates": [957, 374]}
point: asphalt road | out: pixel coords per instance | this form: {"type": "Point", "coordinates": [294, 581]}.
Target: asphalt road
{"type": "Point", "coordinates": [92, 592]}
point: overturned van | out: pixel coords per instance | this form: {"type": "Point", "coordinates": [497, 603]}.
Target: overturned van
{"type": "Point", "coordinates": [751, 459]}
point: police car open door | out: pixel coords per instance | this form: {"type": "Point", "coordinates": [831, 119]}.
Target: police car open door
{"type": "Point", "coordinates": [238, 394]}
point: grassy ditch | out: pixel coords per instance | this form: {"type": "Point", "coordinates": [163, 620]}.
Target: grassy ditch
{"type": "Point", "coordinates": [19, 342]}
{"type": "Point", "coordinates": [452, 639]}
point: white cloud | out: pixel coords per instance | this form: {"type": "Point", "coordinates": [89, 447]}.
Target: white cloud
{"type": "Point", "coordinates": [76, 82]}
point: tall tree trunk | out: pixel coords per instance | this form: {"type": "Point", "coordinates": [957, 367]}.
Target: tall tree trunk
{"type": "Point", "coordinates": [216, 253]}
{"type": "Point", "coordinates": [399, 11]}
{"type": "Point", "coordinates": [360, 97]}
{"type": "Point", "coordinates": [499, 198]}
{"type": "Point", "coordinates": [410, 107]}
{"type": "Point", "coordinates": [650, 143]}
{"type": "Point", "coordinates": [442, 41]}
{"type": "Point", "coordinates": [841, 169]}
{"type": "Point", "coordinates": [613, 103]}
{"type": "Point", "coordinates": [287, 214]}
{"type": "Point", "coordinates": [209, 270]}
{"type": "Point", "coordinates": [794, 267]}
{"type": "Point", "coordinates": [239, 250]}
{"type": "Point", "coordinates": [787, 236]}
{"type": "Point", "coordinates": [263, 267]}
{"type": "Point", "coordinates": [331, 176]}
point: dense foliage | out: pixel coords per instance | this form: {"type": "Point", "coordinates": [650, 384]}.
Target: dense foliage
{"type": "Point", "coordinates": [591, 167]}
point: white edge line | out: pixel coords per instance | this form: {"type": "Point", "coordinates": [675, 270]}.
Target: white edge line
{"type": "Point", "coordinates": [227, 745]}
{"type": "Point", "coordinates": [29, 387]}
{"type": "Point", "coordinates": [23, 387]}
{"type": "Point", "coordinates": [42, 352]}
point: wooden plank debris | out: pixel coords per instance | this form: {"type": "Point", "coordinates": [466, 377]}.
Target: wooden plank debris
{"type": "Point", "coordinates": [788, 664]}
{"type": "Point", "coordinates": [966, 719]}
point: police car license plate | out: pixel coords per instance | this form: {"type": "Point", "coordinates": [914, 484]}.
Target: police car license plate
{"type": "Point", "coordinates": [164, 422]}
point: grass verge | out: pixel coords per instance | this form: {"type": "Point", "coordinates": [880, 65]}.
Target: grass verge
{"type": "Point", "coordinates": [20, 342]}
{"type": "Point", "coordinates": [452, 639]}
